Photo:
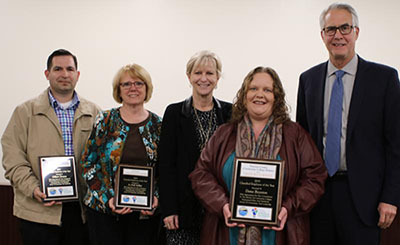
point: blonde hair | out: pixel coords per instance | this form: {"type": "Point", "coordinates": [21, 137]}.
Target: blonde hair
{"type": "Point", "coordinates": [202, 57]}
{"type": "Point", "coordinates": [133, 70]}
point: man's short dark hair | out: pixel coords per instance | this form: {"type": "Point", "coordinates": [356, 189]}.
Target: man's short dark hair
{"type": "Point", "coordinates": [60, 52]}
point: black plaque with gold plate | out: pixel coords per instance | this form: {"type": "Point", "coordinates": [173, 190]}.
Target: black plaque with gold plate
{"type": "Point", "coordinates": [58, 178]}
{"type": "Point", "coordinates": [134, 187]}
{"type": "Point", "coordinates": [256, 192]}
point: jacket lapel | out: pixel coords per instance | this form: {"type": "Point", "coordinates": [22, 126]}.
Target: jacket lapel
{"type": "Point", "coordinates": [319, 87]}
{"type": "Point", "coordinates": [43, 107]}
{"type": "Point", "coordinates": [188, 126]}
{"type": "Point", "coordinates": [357, 95]}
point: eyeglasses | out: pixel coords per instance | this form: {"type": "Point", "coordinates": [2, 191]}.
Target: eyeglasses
{"type": "Point", "coordinates": [344, 29]}
{"type": "Point", "coordinates": [128, 85]}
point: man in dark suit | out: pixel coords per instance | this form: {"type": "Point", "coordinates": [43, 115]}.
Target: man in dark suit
{"type": "Point", "coordinates": [351, 107]}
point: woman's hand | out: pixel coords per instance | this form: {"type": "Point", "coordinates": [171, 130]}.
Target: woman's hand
{"type": "Point", "coordinates": [154, 206]}
{"type": "Point", "coordinates": [282, 217]}
{"type": "Point", "coordinates": [227, 214]}
{"type": "Point", "coordinates": [171, 222]}
{"type": "Point", "coordinates": [124, 210]}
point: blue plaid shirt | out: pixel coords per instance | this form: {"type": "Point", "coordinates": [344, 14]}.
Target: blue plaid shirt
{"type": "Point", "coordinates": [66, 119]}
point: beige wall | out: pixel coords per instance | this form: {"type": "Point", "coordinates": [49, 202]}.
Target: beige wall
{"type": "Point", "coordinates": [161, 35]}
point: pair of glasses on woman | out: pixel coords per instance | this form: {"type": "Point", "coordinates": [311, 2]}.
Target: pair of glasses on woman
{"type": "Point", "coordinates": [343, 29]}
{"type": "Point", "coordinates": [128, 85]}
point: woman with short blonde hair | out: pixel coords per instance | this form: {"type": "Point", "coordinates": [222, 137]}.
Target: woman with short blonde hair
{"type": "Point", "coordinates": [186, 129]}
{"type": "Point", "coordinates": [128, 134]}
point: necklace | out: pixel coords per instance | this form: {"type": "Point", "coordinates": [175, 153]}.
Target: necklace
{"type": "Point", "coordinates": [203, 135]}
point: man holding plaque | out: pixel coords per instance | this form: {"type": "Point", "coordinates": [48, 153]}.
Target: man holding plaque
{"type": "Point", "coordinates": [260, 131]}
{"type": "Point", "coordinates": [351, 108]}
{"type": "Point", "coordinates": [56, 123]}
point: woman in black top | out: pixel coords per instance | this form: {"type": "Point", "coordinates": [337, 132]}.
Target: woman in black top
{"type": "Point", "coordinates": [186, 128]}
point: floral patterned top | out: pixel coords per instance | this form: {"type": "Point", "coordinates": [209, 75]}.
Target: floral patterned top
{"type": "Point", "coordinates": [103, 150]}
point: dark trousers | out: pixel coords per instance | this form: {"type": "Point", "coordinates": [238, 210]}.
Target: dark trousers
{"type": "Point", "coordinates": [71, 231]}
{"type": "Point", "coordinates": [106, 229]}
{"type": "Point", "coordinates": [334, 221]}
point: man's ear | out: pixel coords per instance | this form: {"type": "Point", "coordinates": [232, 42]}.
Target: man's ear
{"type": "Point", "coordinates": [46, 73]}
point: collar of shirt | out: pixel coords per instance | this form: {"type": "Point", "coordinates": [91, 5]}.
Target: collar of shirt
{"type": "Point", "coordinates": [350, 68]}
{"type": "Point", "coordinates": [55, 104]}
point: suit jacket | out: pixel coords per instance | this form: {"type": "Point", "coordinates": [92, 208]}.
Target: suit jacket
{"type": "Point", "coordinates": [178, 154]}
{"type": "Point", "coordinates": [373, 132]}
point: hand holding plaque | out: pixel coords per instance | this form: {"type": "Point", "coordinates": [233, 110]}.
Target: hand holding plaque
{"type": "Point", "coordinates": [134, 187]}
{"type": "Point", "coordinates": [58, 178]}
{"type": "Point", "coordinates": [256, 193]}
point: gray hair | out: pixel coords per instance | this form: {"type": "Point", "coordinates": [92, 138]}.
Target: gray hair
{"type": "Point", "coordinates": [344, 6]}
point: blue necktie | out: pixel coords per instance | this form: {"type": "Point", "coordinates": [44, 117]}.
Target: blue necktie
{"type": "Point", "coordinates": [332, 148]}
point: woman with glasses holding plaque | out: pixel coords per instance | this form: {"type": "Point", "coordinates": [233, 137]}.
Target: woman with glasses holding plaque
{"type": "Point", "coordinates": [260, 129]}
{"type": "Point", "coordinates": [125, 135]}
{"type": "Point", "coordinates": [187, 126]}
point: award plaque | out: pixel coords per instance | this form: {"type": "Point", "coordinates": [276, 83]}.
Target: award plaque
{"type": "Point", "coordinates": [134, 187]}
{"type": "Point", "coordinates": [58, 178]}
{"type": "Point", "coordinates": [256, 193]}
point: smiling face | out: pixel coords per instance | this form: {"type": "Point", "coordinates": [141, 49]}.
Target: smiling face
{"type": "Point", "coordinates": [341, 47]}
{"type": "Point", "coordinates": [260, 97]}
{"type": "Point", "coordinates": [62, 75]}
{"type": "Point", "coordinates": [204, 78]}
{"type": "Point", "coordinates": [132, 95]}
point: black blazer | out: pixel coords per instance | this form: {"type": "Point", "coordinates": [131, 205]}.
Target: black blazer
{"type": "Point", "coordinates": [178, 154]}
{"type": "Point", "coordinates": [373, 132]}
